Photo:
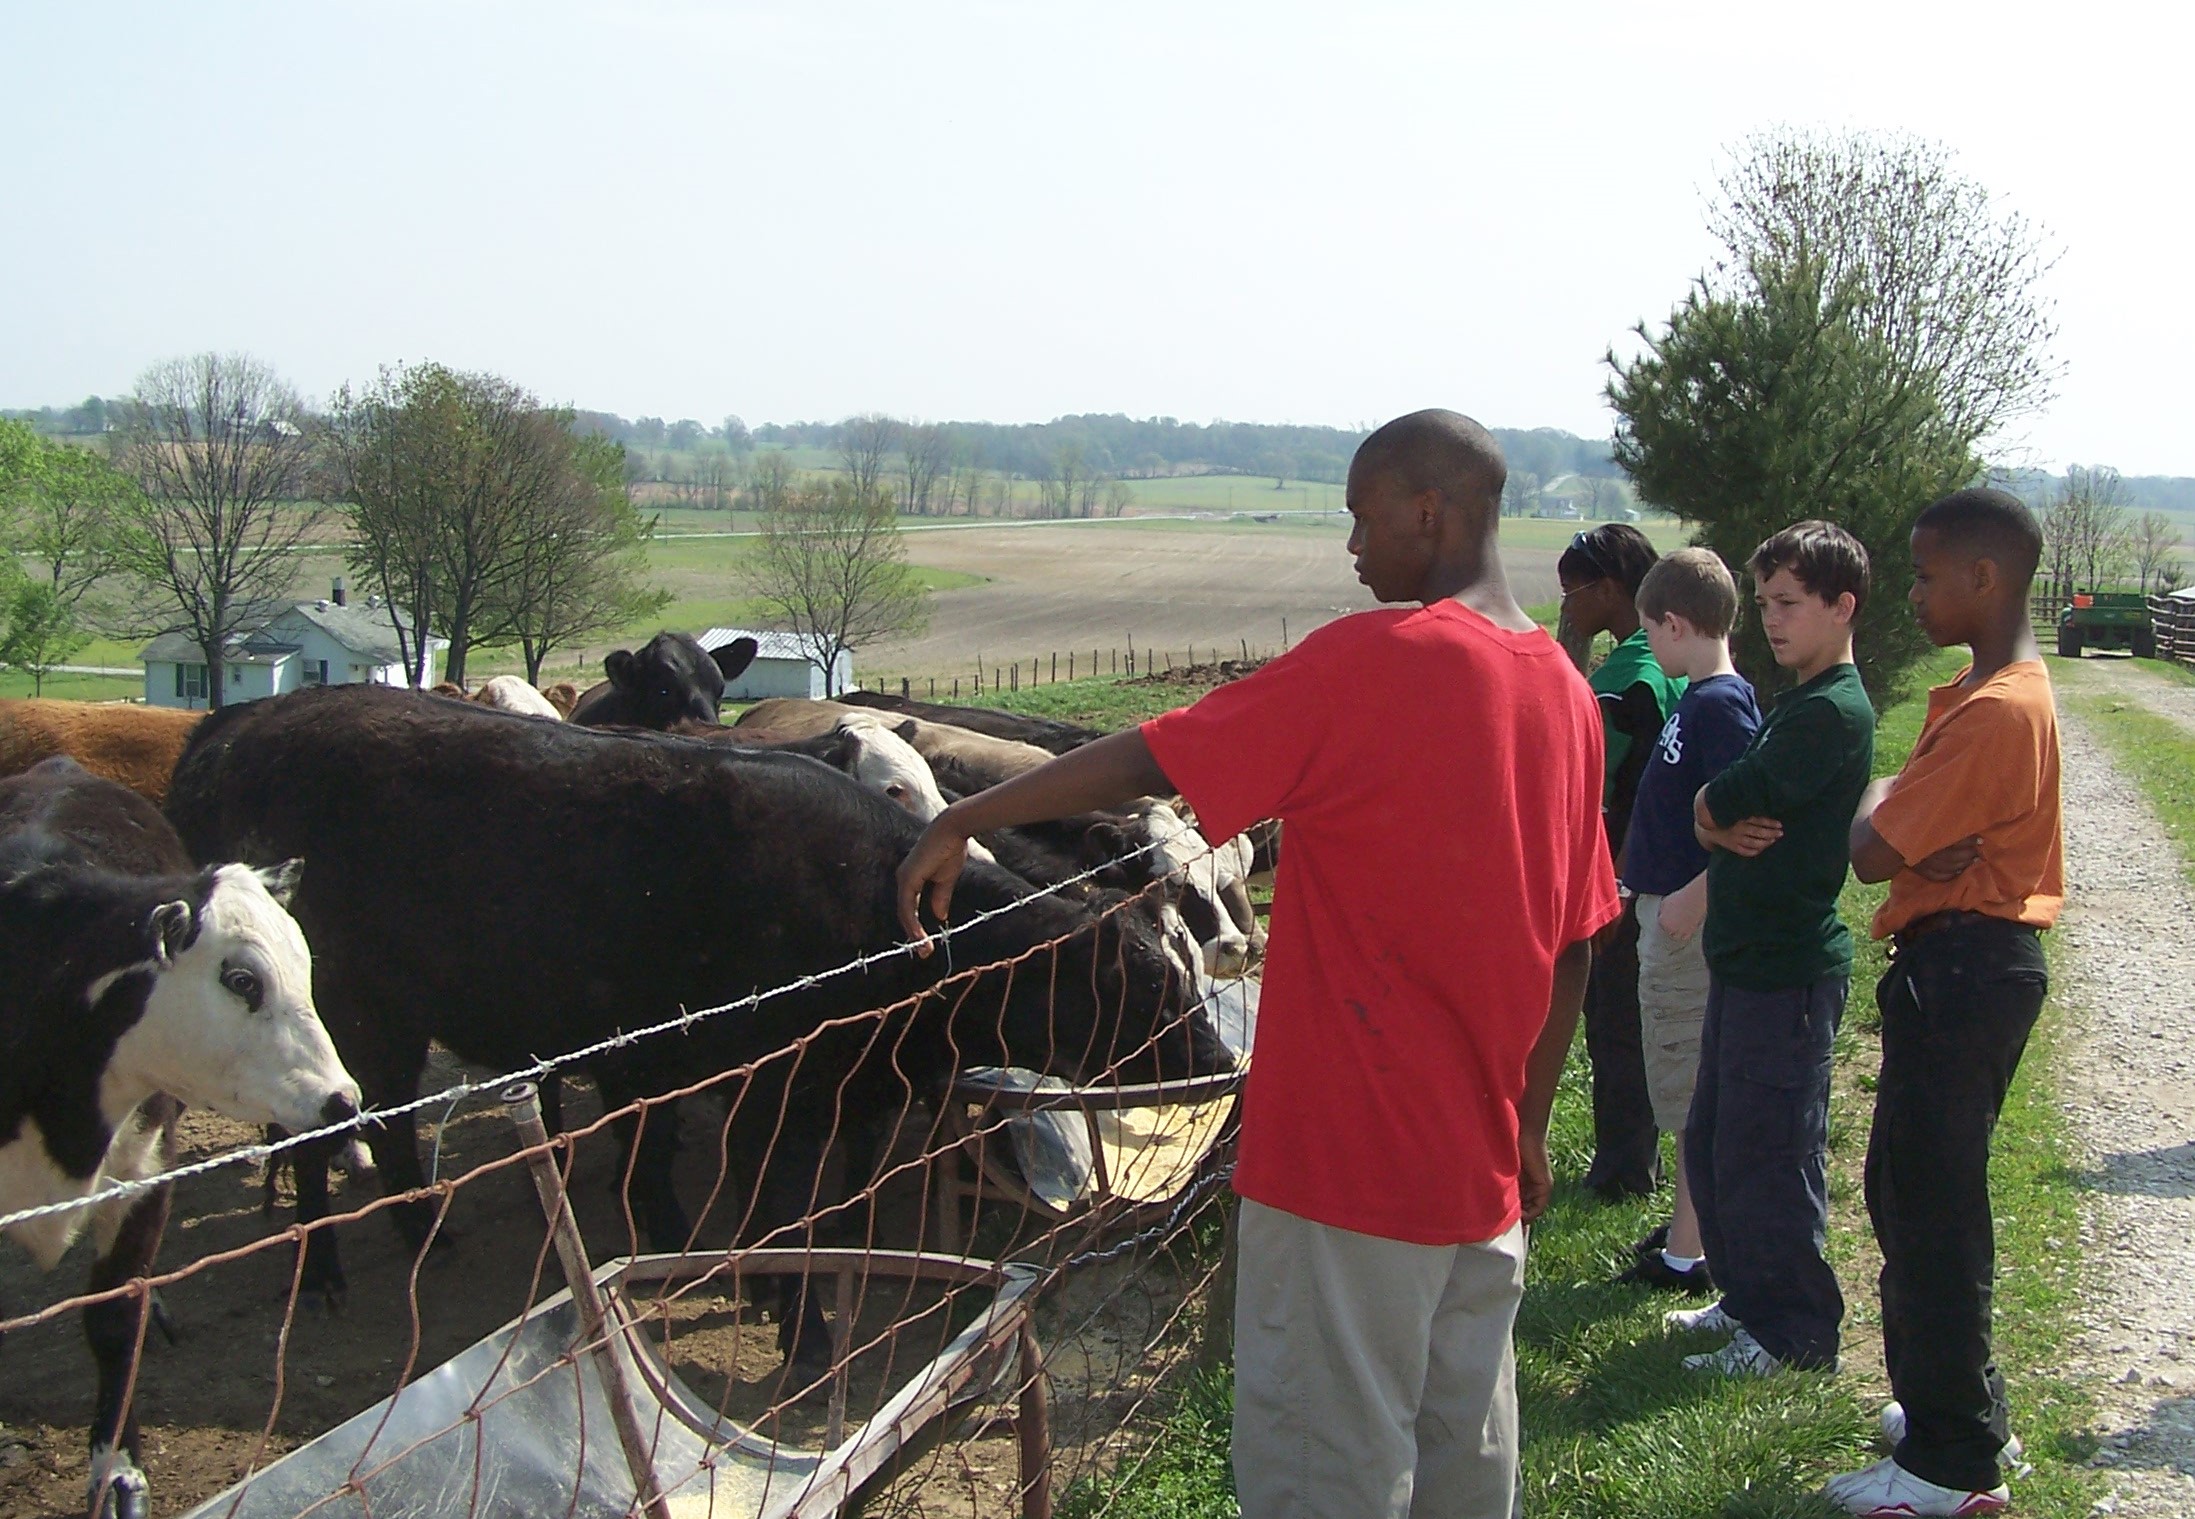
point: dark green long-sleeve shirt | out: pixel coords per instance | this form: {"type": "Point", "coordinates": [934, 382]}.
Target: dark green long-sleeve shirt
{"type": "Point", "coordinates": [1772, 920]}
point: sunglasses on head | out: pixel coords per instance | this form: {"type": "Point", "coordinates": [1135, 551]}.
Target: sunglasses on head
{"type": "Point", "coordinates": [1583, 546]}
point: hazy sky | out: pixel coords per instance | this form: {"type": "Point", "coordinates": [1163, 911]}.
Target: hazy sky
{"type": "Point", "coordinates": [1264, 212]}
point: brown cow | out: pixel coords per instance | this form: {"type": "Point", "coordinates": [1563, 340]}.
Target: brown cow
{"type": "Point", "coordinates": [962, 760]}
{"type": "Point", "coordinates": [135, 746]}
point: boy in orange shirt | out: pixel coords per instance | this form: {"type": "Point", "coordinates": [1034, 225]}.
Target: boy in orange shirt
{"type": "Point", "coordinates": [1968, 835]}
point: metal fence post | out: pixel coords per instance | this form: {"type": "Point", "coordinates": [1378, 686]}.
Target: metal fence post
{"type": "Point", "coordinates": [524, 1103]}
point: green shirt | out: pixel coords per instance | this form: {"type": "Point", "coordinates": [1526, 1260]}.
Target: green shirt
{"type": "Point", "coordinates": [1772, 920]}
{"type": "Point", "coordinates": [1631, 663]}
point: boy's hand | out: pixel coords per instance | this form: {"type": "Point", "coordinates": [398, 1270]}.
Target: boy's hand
{"type": "Point", "coordinates": [931, 867]}
{"type": "Point", "coordinates": [1535, 1179]}
{"type": "Point", "coordinates": [1749, 836]}
{"type": "Point", "coordinates": [1949, 862]}
{"type": "Point", "coordinates": [1684, 910]}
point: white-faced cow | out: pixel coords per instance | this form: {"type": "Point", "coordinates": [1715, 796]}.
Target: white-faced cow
{"type": "Point", "coordinates": [667, 679]}
{"type": "Point", "coordinates": [511, 693]}
{"type": "Point", "coordinates": [671, 874]}
{"type": "Point", "coordinates": [131, 985]}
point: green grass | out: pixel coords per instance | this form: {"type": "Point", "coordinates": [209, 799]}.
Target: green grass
{"type": "Point", "coordinates": [2160, 756]}
{"type": "Point", "coordinates": [1614, 1428]}
{"type": "Point", "coordinates": [75, 687]}
{"type": "Point", "coordinates": [2179, 674]}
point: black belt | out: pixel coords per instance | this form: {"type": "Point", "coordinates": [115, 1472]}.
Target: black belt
{"type": "Point", "coordinates": [1934, 922]}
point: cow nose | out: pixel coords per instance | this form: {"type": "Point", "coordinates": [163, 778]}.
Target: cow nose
{"type": "Point", "coordinates": [338, 1109]}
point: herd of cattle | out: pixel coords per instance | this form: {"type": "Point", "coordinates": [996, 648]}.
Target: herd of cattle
{"type": "Point", "coordinates": [162, 876]}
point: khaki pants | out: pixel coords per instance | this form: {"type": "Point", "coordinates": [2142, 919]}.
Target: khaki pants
{"type": "Point", "coordinates": [1672, 1008]}
{"type": "Point", "coordinates": [1374, 1379]}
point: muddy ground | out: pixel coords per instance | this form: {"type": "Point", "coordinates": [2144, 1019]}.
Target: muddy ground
{"type": "Point", "coordinates": [206, 1401]}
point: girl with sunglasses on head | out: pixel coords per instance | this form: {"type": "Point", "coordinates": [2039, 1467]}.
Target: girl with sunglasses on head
{"type": "Point", "coordinates": [1600, 573]}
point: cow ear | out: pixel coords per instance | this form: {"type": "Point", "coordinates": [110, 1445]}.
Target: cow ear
{"type": "Point", "coordinates": [735, 656]}
{"type": "Point", "coordinates": [618, 665]}
{"type": "Point", "coordinates": [170, 929]}
{"type": "Point", "coordinates": [906, 730]}
{"type": "Point", "coordinates": [281, 880]}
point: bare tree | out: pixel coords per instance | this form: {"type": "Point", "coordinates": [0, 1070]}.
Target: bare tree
{"type": "Point", "coordinates": [1118, 496]}
{"type": "Point", "coordinates": [1067, 475]}
{"type": "Point", "coordinates": [217, 444]}
{"type": "Point", "coordinates": [832, 567]}
{"type": "Point", "coordinates": [771, 479]}
{"type": "Point", "coordinates": [2154, 538]}
{"type": "Point", "coordinates": [925, 453]}
{"type": "Point", "coordinates": [2091, 512]}
{"type": "Point", "coordinates": [863, 444]}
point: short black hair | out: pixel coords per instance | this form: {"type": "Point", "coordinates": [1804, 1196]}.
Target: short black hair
{"type": "Point", "coordinates": [1989, 524]}
{"type": "Point", "coordinates": [1437, 450]}
{"type": "Point", "coordinates": [1821, 556]}
{"type": "Point", "coordinates": [1613, 551]}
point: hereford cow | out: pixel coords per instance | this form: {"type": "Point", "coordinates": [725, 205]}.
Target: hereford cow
{"type": "Point", "coordinates": [670, 875]}
{"type": "Point", "coordinates": [130, 985]}
{"type": "Point", "coordinates": [510, 693]}
{"type": "Point", "coordinates": [130, 745]}
{"type": "Point", "coordinates": [669, 678]}
{"type": "Point", "coordinates": [1047, 733]}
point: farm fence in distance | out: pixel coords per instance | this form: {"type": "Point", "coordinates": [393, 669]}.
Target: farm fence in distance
{"type": "Point", "coordinates": [1014, 1285]}
{"type": "Point", "coordinates": [993, 677]}
{"type": "Point", "coordinates": [2173, 617]}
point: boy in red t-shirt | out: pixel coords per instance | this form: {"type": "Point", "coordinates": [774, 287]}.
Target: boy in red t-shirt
{"type": "Point", "coordinates": [1438, 770]}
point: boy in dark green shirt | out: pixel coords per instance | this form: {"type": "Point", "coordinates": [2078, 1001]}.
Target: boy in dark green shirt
{"type": "Point", "coordinates": [1779, 963]}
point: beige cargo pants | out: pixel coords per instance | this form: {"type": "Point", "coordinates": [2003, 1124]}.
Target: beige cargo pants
{"type": "Point", "coordinates": [1373, 1379]}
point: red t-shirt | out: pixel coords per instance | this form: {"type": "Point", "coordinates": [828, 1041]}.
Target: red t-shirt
{"type": "Point", "coordinates": [1439, 782]}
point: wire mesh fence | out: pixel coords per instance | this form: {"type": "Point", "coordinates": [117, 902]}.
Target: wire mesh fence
{"type": "Point", "coordinates": [894, 1273]}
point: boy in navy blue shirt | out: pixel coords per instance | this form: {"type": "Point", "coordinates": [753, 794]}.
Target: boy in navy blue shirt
{"type": "Point", "coordinates": [1687, 604]}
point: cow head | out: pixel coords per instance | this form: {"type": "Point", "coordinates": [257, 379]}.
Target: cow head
{"type": "Point", "coordinates": [228, 1021]}
{"type": "Point", "coordinates": [1207, 880]}
{"type": "Point", "coordinates": [671, 677]}
{"type": "Point", "coordinates": [1112, 1003]}
{"type": "Point", "coordinates": [882, 759]}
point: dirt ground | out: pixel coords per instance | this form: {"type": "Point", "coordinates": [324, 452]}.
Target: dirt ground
{"type": "Point", "coordinates": [205, 1400]}
{"type": "Point", "coordinates": [1094, 586]}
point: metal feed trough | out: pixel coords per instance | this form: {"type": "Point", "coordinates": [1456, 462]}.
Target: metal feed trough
{"type": "Point", "coordinates": [570, 1408]}
{"type": "Point", "coordinates": [1107, 1152]}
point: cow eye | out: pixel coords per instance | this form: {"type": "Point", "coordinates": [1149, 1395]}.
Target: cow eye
{"type": "Point", "coordinates": [895, 790]}
{"type": "Point", "coordinates": [244, 985]}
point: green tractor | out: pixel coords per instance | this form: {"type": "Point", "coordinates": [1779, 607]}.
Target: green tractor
{"type": "Point", "coordinates": [2107, 620]}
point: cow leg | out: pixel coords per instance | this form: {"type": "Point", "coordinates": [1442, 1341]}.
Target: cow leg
{"type": "Point", "coordinates": [394, 1142]}
{"type": "Point", "coordinates": [550, 1090]}
{"type": "Point", "coordinates": [784, 1193]}
{"type": "Point", "coordinates": [128, 1236]}
{"type": "Point", "coordinates": [647, 1149]}
{"type": "Point", "coordinates": [320, 1279]}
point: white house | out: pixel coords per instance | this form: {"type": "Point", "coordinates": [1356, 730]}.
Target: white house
{"type": "Point", "coordinates": [782, 667]}
{"type": "Point", "coordinates": [327, 642]}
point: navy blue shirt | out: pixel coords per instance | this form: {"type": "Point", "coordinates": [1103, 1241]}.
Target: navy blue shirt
{"type": "Point", "coordinates": [1714, 723]}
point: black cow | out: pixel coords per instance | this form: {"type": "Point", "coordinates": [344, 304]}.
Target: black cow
{"type": "Point", "coordinates": [1045, 732]}
{"type": "Point", "coordinates": [667, 678]}
{"type": "Point", "coordinates": [129, 983]}
{"type": "Point", "coordinates": [515, 889]}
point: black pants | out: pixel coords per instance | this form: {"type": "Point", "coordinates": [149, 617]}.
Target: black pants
{"type": "Point", "coordinates": [1626, 1153]}
{"type": "Point", "coordinates": [1756, 1150]}
{"type": "Point", "coordinates": [1957, 1007]}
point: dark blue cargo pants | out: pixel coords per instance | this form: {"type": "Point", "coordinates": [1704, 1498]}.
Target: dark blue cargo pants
{"type": "Point", "coordinates": [1756, 1153]}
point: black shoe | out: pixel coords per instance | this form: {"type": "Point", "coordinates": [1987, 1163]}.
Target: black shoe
{"type": "Point", "coordinates": [1612, 1187]}
{"type": "Point", "coordinates": [1652, 1271]}
{"type": "Point", "coordinates": [1653, 1244]}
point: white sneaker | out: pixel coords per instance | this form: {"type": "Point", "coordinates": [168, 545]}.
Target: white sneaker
{"type": "Point", "coordinates": [1742, 1357]}
{"type": "Point", "coordinates": [1887, 1490]}
{"type": "Point", "coordinates": [2013, 1457]}
{"type": "Point", "coordinates": [1708, 1320]}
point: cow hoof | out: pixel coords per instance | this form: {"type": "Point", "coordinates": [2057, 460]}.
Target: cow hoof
{"type": "Point", "coordinates": [164, 1321]}
{"type": "Point", "coordinates": [118, 1489]}
{"type": "Point", "coordinates": [15, 1449]}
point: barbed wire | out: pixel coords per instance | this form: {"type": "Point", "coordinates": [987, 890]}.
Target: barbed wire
{"type": "Point", "coordinates": [116, 1191]}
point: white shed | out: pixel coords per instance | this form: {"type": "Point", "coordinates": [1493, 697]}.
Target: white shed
{"type": "Point", "coordinates": [783, 666]}
{"type": "Point", "coordinates": [325, 642]}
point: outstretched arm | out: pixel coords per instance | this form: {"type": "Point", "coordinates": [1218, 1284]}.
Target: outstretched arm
{"type": "Point", "coordinates": [1105, 773]}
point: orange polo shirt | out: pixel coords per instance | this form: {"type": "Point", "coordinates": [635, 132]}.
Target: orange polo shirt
{"type": "Point", "coordinates": [1986, 764]}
